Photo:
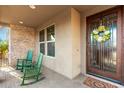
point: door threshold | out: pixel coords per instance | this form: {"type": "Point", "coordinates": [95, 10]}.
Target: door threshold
{"type": "Point", "coordinates": [107, 80]}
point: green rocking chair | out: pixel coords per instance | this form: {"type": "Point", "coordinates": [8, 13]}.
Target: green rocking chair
{"type": "Point", "coordinates": [33, 72]}
{"type": "Point", "coordinates": [21, 63]}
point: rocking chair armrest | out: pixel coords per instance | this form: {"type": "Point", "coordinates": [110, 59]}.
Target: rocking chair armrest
{"type": "Point", "coordinates": [21, 59]}
{"type": "Point", "coordinates": [33, 66]}
{"type": "Point", "coordinates": [28, 63]}
{"type": "Point", "coordinates": [26, 70]}
{"type": "Point", "coordinates": [27, 60]}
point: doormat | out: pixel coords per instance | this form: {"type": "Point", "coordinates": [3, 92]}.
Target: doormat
{"type": "Point", "coordinates": [94, 83]}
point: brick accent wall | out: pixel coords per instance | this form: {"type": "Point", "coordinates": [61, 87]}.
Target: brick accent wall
{"type": "Point", "coordinates": [22, 39]}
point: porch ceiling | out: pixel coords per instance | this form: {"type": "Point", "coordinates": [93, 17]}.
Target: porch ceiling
{"type": "Point", "coordinates": [33, 18]}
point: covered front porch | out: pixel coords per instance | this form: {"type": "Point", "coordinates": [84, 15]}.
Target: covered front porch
{"type": "Point", "coordinates": [63, 35]}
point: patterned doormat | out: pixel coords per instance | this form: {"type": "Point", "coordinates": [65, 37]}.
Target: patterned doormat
{"type": "Point", "coordinates": [94, 83]}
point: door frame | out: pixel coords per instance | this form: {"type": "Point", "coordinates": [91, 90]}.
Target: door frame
{"type": "Point", "coordinates": [119, 37]}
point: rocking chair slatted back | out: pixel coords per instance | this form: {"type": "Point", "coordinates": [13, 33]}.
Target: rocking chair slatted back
{"type": "Point", "coordinates": [29, 55]}
{"type": "Point", "coordinates": [39, 61]}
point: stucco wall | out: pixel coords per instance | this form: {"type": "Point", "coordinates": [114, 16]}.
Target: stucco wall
{"type": "Point", "coordinates": [21, 40]}
{"type": "Point", "coordinates": [65, 59]}
{"type": "Point", "coordinates": [75, 27]}
{"type": "Point", "coordinates": [61, 63]}
{"type": "Point", "coordinates": [83, 32]}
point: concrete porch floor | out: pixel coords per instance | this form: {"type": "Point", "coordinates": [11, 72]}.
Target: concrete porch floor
{"type": "Point", "coordinates": [10, 78]}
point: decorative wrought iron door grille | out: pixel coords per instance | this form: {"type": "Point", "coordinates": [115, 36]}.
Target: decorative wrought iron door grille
{"type": "Point", "coordinates": [103, 55]}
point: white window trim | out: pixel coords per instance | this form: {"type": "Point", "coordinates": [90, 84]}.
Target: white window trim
{"type": "Point", "coordinates": [42, 42]}
{"type": "Point", "coordinates": [45, 40]}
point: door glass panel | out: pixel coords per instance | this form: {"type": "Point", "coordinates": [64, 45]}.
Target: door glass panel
{"type": "Point", "coordinates": [103, 55]}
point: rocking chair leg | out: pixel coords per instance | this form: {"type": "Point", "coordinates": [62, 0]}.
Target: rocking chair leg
{"type": "Point", "coordinates": [37, 78]}
{"type": "Point", "coordinates": [22, 69]}
{"type": "Point", "coordinates": [23, 81]}
{"type": "Point", "coordinates": [16, 67]}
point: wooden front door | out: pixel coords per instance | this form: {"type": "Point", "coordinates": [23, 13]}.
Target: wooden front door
{"type": "Point", "coordinates": [104, 59]}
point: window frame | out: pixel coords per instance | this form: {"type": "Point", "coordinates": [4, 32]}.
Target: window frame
{"type": "Point", "coordinates": [45, 40]}
{"type": "Point", "coordinates": [42, 42]}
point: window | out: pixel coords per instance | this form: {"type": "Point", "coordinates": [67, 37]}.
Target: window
{"type": "Point", "coordinates": [51, 41]}
{"type": "Point", "coordinates": [42, 36]}
{"type": "Point", "coordinates": [47, 41]}
{"type": "Point", "coordinates": [42, 41]}
{"type": "Point", "coordinates": [50, 33]}
{"type": "Point", "coordinates": [42, 48]}
{"type": "Point", "coordinates": [51, 49]}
